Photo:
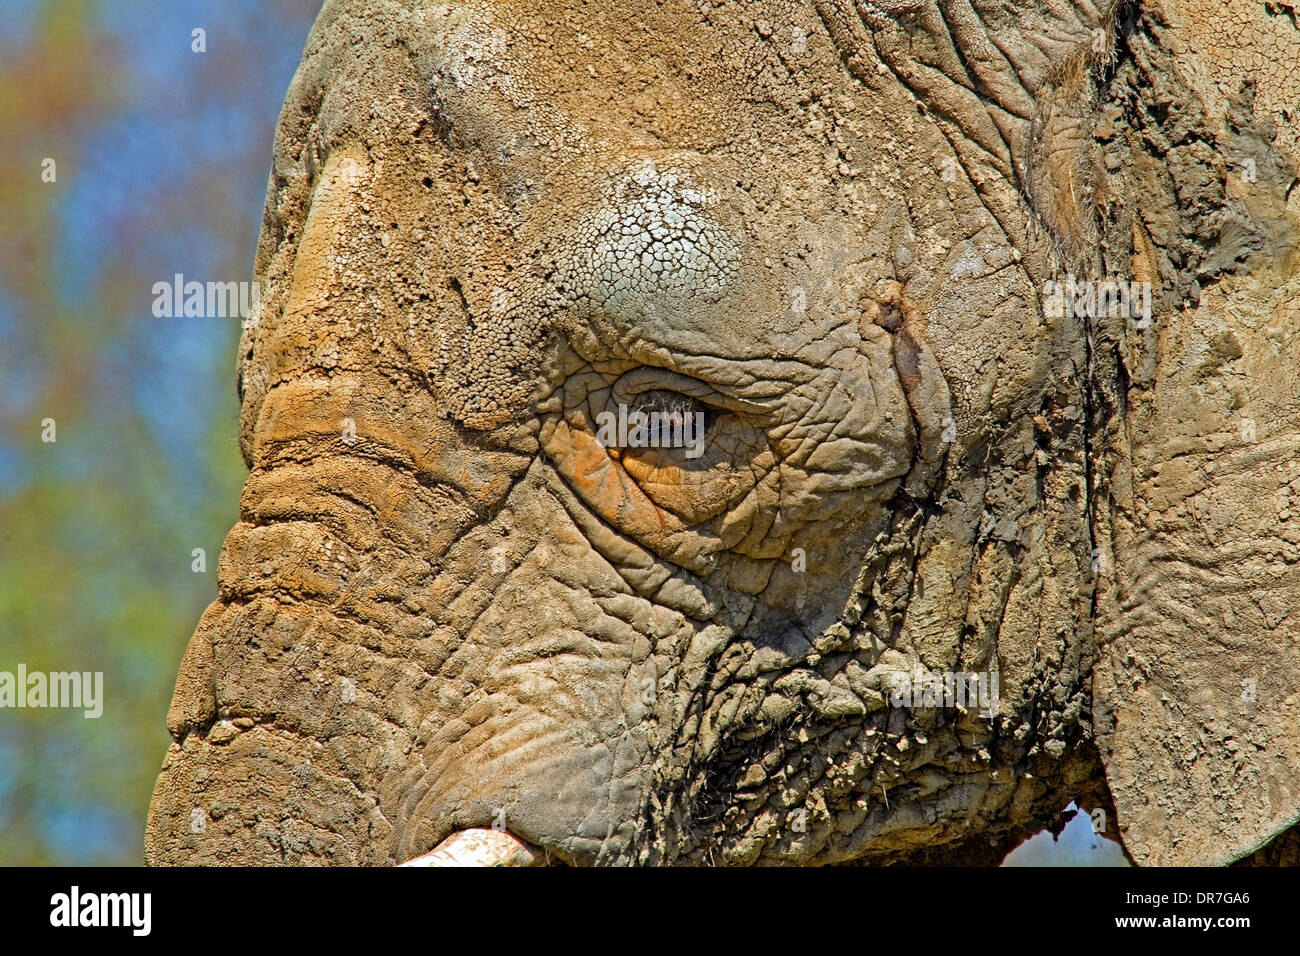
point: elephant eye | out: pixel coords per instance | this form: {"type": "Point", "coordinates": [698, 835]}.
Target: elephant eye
{"type": "Point", "coordinates": [667, 410]}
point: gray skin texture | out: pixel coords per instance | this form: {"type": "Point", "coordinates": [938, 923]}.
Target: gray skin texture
{"type": "Point", "coordinates": [828, 226]}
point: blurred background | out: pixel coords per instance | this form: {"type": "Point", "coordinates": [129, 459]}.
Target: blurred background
{"type": "Point", "coordinates": [160, 159]}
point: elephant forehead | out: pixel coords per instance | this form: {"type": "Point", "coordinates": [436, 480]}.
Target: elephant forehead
{"type": "Point", "coordinates": [653, 242]}
{"type": "Point", "coordinates": [664, 256]}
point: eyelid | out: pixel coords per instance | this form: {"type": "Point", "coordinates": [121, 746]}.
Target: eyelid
{"type": "Point", "coordinates": [648, 378]}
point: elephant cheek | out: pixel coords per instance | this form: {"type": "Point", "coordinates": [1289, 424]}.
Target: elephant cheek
{"type": "Point", "coordinates": [611, 493]}
{"type": "Point", "coordinates": [579, 802]}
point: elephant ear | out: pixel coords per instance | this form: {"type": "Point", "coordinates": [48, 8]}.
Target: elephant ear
{"type": "Point", "coordinates": [1151, 161]}
{"type": "Point", "coordinates": [1197, 685]}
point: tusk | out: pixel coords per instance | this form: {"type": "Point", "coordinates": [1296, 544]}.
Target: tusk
{"type": "Point", "coordinates": [481, 846]}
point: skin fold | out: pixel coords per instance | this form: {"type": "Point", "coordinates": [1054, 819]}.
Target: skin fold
{"type": "Point", "coordinates": [826, 229]}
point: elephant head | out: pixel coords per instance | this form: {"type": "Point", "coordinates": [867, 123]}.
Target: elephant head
{"type": "Point", "coordinates": [649, 398]}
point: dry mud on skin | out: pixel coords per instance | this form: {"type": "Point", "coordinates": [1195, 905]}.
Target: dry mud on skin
{"type": "Point", "coordinates": [828, 230]}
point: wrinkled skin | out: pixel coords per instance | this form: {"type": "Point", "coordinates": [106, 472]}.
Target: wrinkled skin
{"type": "Point", "coordinates": [827, 227]}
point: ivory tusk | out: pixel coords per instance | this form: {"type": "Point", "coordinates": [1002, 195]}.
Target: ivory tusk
{"type": "Point", "coordinates": [481, 846]}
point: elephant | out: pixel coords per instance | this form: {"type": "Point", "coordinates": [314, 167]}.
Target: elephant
{"type": "Point", "coordinates": [946, 349]}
